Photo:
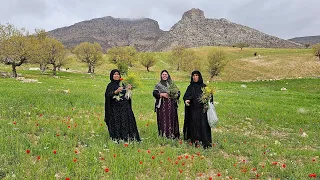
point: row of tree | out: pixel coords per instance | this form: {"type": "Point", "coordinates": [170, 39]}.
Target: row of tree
{"type": "Point", "coordinates": [17, 46]}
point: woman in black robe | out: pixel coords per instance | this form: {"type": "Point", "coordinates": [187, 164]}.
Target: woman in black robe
{"type": "Point", "coordinates": [196, 127]}
{"type": "Point", "coordinates": [119, 116]}
{"type": "Point", "coordinates": [166, 106]}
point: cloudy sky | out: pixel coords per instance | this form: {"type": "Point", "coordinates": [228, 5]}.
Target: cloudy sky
{"type": "Point", "coordinates": [281, 18]}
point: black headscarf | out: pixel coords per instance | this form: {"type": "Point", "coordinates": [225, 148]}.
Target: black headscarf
{"type": "Point", "coordinates": [112, 73]}
{"type": "Point", "coordinates": [164, 82]}
{"type": "Point", "coordinates": [200, 81]}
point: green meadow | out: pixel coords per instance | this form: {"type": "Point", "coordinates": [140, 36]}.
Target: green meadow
{"type": "Point", "coordinates": [268, 109]}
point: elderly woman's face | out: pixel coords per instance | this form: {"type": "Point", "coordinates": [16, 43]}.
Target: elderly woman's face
{"type": "Point", "coordinates": [195, 78]}
{"type": "Point", "coordinates": [116, 76]}
{"type": "Point", "coordinates": [164, 76]}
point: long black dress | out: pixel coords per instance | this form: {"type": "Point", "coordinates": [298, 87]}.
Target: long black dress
{"type": "Point", "coordinates": [196, 127]}
{"type": "Point", "coordinates": [119, 116]}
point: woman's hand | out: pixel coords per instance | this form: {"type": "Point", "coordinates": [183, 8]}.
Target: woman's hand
{"type": "Point", "coordinates": [118, 90]}
{"type": "Point", "coordinates": [164, 95]}
{"type": "Point", "coordinates": [187, 102]}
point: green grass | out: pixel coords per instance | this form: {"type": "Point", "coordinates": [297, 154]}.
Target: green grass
{"type": "Point", "coordinates": [258, 125]}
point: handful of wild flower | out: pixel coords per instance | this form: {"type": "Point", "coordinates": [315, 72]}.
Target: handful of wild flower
{"type": "Point", "coordinates": [173, 90]}
{"type": "Point", "coordinates": [207, 93]}
{"type": "Point", "coordinates": [131, 79]}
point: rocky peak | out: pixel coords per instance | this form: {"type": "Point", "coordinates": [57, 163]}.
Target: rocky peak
{"type": "Point", "coordinates": [193, 13]}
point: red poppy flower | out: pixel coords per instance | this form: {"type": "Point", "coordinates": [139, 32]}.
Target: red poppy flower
{"type": "Point", "coordinates": [274, 163]}
{"type": "Point", "coordinates": [218, 174]}
{"type": "Point", "coordinates": [147, 125]}
{"type": "Point", "coordinates": [100, 124]}
{"type": "Point", "coordinates": [180, 142]}
{"type": "Point", "coordinates": [69, 127]}
{"type": "Point", "coordinates": [54, 151]}
{"type": "Point", "coordinates": [177, 162]}
{"type": "Point", "coordinates": [186, 156]}
{"type": "Point", "coordinates": [313, 159]}
{"type": "Point", "coordinates": [234, 164]}
{"type": "Point", "coordinates": [106, 170]}
{"type": "Point", "coordinates": [200, 174]}
{"type": "Point", "coordinates": [138, 150]}
{"type": "Point", "coordinates": [161, 152]}
{"type": "Point", "coordinates": [198, 153]}
{"type": "Point", "coordinates": [254, 169]}
{"type": "Point", "coordinates": [38, 158]}
{"type": "Point", "coordinates": [230, 177]}
{"type": "Point", "coordinates": [121, 79]}
{"type": "Point", "coordinates": [75, 160]}
{"type": "Point", "coordinates": [102, 158]}
{"type": "Point", "coordinates": [244, 170]}
{"type": "Point", "coordinates": [28, 151]}
{"type": "Point", "coordinates": [40, 115]}
{"type": "Point", "coordinates": [67, 178]}
{"type": "Point", "coordinates": [153, 157]}
{"type": "Point", "coordinates": [14, 122]}
{"type": "Point", "coordinates": [183, 163]}
{"type": "Point", "coordinates": [57, 134]}
{"type": "Point", "coordinates": [149, 151]}
{"type": "Point", "coordinates": [37, 124]}
{"type": "Point", "coordinates": [262, 166]}
{"type": "Point", "coordinates": [284, 165]}
{"type": "Point", "coordinates": [257, 175]}
{"type": "Point", "coordinates": [114, 155]}
{"type": "Point", "coordinates": [76, 151]}
{"type": "Point", "coordinates": [180, 170]}
{"type": "Point", "coordinates": [126, 144]}
{"type": "Point", "coordinates": [312, 175]}
{"type": "Point", "coordinates": [210, 178]}
{"type": "Point", "coordinates": [140, 162]}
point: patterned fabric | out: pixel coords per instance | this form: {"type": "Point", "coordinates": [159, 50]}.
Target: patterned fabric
{"type": "Point", "coordinates": [167, 118]}
{"type": "Point", "coordinates": [123, 125]}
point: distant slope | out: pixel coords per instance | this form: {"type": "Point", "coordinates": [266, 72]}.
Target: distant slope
{"type": "Point", "coordinates": [110, 32]}
{"type": "Point", "coordinates": [310, 40]}
{"type": "Point", "coordinates": [194, 30]}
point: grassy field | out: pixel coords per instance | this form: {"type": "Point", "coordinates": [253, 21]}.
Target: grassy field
{"type": "Point", "coordinates": [54, 128]}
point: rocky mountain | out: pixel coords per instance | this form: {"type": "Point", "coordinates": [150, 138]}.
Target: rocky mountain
{"type": "Point", "coordinates": [110, 32]}
{"type": "Point", "coordinates": [193, 30]}
{"type": "Point", "coordinates": [307, 40]}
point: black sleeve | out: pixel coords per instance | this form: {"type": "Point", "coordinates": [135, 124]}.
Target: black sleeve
{"type": "Point", "coordinates": [188, 94]}
{"type": "Point", "coordinates": [156, 94]}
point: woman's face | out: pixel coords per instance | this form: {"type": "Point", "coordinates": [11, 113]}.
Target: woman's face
{"type": "Point", "coordinates": [164, 76]}
{"type": "Point", "coordinates": [195, 78]}
{"type": "Point", "coordinates": [116, 76]}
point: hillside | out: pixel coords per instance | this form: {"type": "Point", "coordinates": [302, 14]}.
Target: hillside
{"type": "Point", "coordinates": [308, 40]}
{"type": "Point", "coordinates": [193, 30]}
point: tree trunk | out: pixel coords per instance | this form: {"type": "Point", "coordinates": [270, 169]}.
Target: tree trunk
{"type": "Point", "coordinates": [89, 70]}
{"type": "Point", "coordinates": [178, 68]}
{"type": "Point", "coordinates": [54, 69]}
{"type": "Point", "coordinates": [42, 67]}
{"type": "Point", "coordinates": [14, 71]}
{"type": "Point", "coordinates": [148, 68]}
{"type": "Point", "coordinates": [92, 69]}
